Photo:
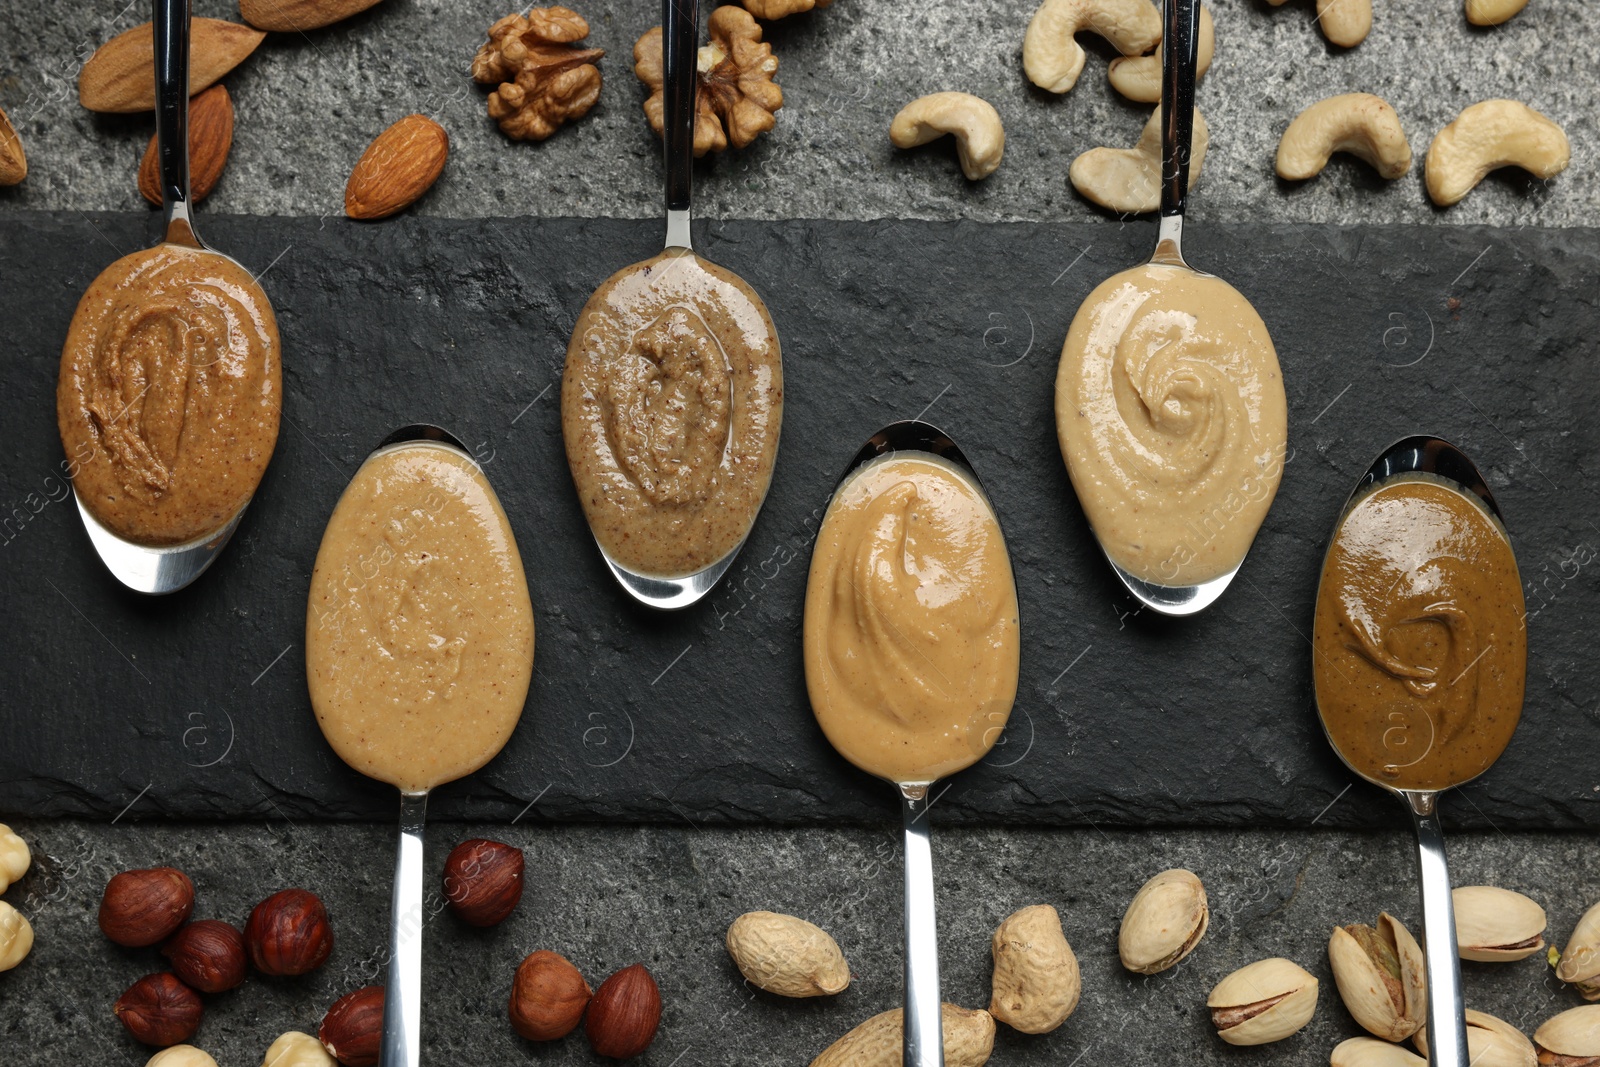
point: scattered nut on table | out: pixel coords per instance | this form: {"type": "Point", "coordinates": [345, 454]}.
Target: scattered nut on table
{"type": "Point", "coordinates": [1036, 981]}
{"type": "Point", "coordinates": [973, 121]}
{"type": "Point", "coordinates": [1492, 12]}
{"type": "Point", "coordinates": [548, 996]}
{"type": "Point", "coordinates": [294, 1049]}
{"type": "Point", "coordinates": [1052, 57]}
{"type": "Point", "coordinates": [1128, 180]}
{"type": "Point", "coordinates": [1166, 918]}
{"type": "Point", "coordinates": [778, 9]}
{"type": "Point", "coordinates": [1358, 123]}
{"type": "Point", "coordinates": [736, 99]}
{"type": "Point", "coordinates": [120, 77]}
{"type": "Point", "coordinates": [13, 162]}
{"type": "Point", "coordinates": [1579, 962]}
{"type": "Point", "coordinates": [210, 140]}
{"type": "Point", "coordinates": [181, 1056]}
{"type": "Point", "coordinates": [786, 955]}
{"type": "Point", "coordinates": [208, 956]}
{"type": "Point", "coordinates": [968, 1040]}
{"type": "Point", "coordinates": [483, 881]}
{"type": "Point", "coordinates": [159, 1010]}
{"type": "Point", "coordinates": [144, 907]}
{"type": "Point", "coordinates": [542, 78]}
{"type": "Point", "coordinates": [16, 937]}
{"type": "Point", "coordinates": [1491, 1042]}
{"type": "Point", "coordinates": [1139, 77]}
{"type": "Point", "coordinates": [1571, 1039]}
{"type": "Point", "coordinates": [297, 16]}
{"type": "Point", "coordinates": [1495, 925]}
{"type": "Point", "coordinates": [1370, 1052]}
{"type": "Point", "coordinates": [288, 933]}
{"type": "Point", "coordinates": [15, 856]}
{"type": "Point", "coordinates": [1263, 1002]}
{"type": "Point", "coordinates": [1382, 976]}
{"type": "Point", "coordinates": [352, 1030]}
{"type": "Point", "coordinates": [624, 1013]}
{"type": "Point", "coordinates": [1489, 135]}
{"type": "Point", "coordinates": [1345, 23]}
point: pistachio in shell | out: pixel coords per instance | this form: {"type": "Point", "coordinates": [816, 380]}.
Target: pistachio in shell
{"type": "Point", "coordinates": [1571, 1039]}
{"type": "Point", "coordinates": [1495, 925]}
{"type": "Point", "coordinates": [1370, 1052]}
{"type": "Point", "coordinates": [1579, 962]}
{"type": "Point", "coordinates": [1382, 977]}
{"type": "Point", "coordinates": [1036, 980]}
{"type": "Point", "coordinates": [1263, 1002]}
{"type": "Point", "coordinates": [1491, 1042]}
{"type": "Point", "coordinates": [1164, 922]}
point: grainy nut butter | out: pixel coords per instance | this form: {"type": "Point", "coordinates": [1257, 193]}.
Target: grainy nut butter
{"type": "Point", "coordinates": [169, 393]}
{"type": "Point", "coordinates": [1172, 421]}
{"type": "Point", "coordinates": [670, 406]}
{"type": "Point", "coordinates": [419, 630]}
{"type": "Point", "coordinates": [1419, 644]}
{"type": "Point", "coordinates": [911, 640]}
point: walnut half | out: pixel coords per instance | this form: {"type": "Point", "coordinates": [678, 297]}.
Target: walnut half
{"type": "Point", "coordinates": [735, 97]}
{"type": "Point", "coordinates": [543, 79]}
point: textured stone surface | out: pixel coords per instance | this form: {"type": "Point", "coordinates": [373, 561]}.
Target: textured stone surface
{"type": "Point", "coordinates": [1121, 718]}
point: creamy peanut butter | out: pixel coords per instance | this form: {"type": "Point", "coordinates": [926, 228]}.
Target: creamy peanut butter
{"type": "Point", "coordinates": [419, 630]}
{"type": "Point", "coordinates": [670, 406]}
{"type": "Point", "coordinates": [911, 639]}
{"type": "Point", "coordinates": [171, 385]}
{"type": "Point", "coordinates": [1171, 417]}
{"type": "Point", "coordinates": [1420, 647]}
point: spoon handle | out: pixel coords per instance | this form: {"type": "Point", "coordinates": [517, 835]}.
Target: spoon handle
{"type": "Point", "coordinates": [402, 1001]}
{"type": "Point", "coordinates": [924, 1030]}
{"type": "Point", "coordinates": [680, 36]}
{"type": "Point", "coordinates": [1180, 42]}
{"type": "Point", "coordinates": [172, 116]}
{"type": "Point", "coordinates": [1447, 1028]}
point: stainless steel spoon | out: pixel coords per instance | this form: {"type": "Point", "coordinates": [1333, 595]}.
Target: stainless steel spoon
{"type": "Point", "coordinates": [1447, 1033]}
{"type": "Point", "coordinates": [166, 568]}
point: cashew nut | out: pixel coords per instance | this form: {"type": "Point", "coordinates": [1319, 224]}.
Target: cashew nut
{"type": "Point", "coordinates": [1139, 77]}
{"type": "Point", "coordinates": [1053, 59]}
{"type": "Point", "coordinates": [1358, 123]}
{"type": "Point", "coordinates": [1344, 22]}
{"type": "Point", "coordinates": [1489, 135]}
{"type": "Point", "coordinates": [1128, 180]}
{"type": "Point", "coordinates": [980, 138]}
{"type": "Point", "coordinates": [1493, 12]}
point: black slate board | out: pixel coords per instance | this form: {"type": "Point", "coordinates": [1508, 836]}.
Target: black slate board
{"type": "Point", "coordinates": [195, 704]}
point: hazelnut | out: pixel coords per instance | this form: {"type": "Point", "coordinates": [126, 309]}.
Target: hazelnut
{"type": "Point", "coordinates": [181, 1056]}
{"type": "Point", "coordinates": [624, 1013]}
{"type": "Point", "coordinates": [288, 933]}
{"type": "Point", "coordinates": [294, 1049]}
{"type": "Point", "coordinates": [143, 907]}
{"type": "Point", "coordinates": [208, 955]}
{"type": "Point", "coordinates": [547, 997]}
{"type": "Point", "coordinates": [160, 1010]}
{"type": "Point", "coordinates": [353, 1028]}
{"type": "Point", "coordinates": [483, 881]}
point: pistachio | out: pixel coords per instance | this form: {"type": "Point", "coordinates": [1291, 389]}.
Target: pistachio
{"type": "Point", "coordinates": [1496, 925]}
{"type": "Point", "coordinates": [1580, 959]}
{"type": "Point", "coordinates": [1164, 922]}
{"type": "Point", "coordinates": [1266, 1001]}
{"type": "Point", "coordinates": [1571, 1039]}
{"type": "Point", "coordinates": [1491, 1042]}
{"type": "Point", "coordinates": [1381, 977]}
{"type": "Point", "coordinates": [1370, 1052]}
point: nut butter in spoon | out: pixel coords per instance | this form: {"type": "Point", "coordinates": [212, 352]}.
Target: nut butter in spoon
{"type": "Point", "coordinates": [672, 396]}
{"type": "Point", "coordinates": [911, 651]}
{"type": "Point", "coordinates": [170, 384]}
{"type": "Point", "coordinates": [419, 652]}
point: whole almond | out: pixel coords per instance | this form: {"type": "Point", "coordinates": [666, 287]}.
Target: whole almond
{"type": "Point", "coordinates": [120, 76]}
{"type": "Point", "coordinates": [293, 16]}
{"type": "Point", "coordinates": [210, 137]}
{"type": "Point", "coordinates": [13, 164]}
{"type": "Point", "coordinates": [397, 168]}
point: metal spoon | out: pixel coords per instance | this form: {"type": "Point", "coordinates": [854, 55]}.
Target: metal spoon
{"type": "Point", "coordinates": [166, 568]}
{"type": "Point", "coordinates": [1447, 1033]}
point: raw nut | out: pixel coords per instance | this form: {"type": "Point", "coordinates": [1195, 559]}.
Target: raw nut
{"type": "Point", "coordinates": [13, 168]}
{"type": "Point", "coordinates": [975, 124]}
{"type": "Point", "coordinates": [120, 76]}
{"type": "Point", "coordinates": [1382, 977]}
{"type": "Point", "coordinates": [779, 9]}
{"type": "Point", "coordinates": [1139, 77]}
{"type": "Point", "coordinates": [1164, 923]}
{"type": "Point", "coordinates": [181, 1056]}
{"type": "Point", "coordinates": [352, 1031]}
{"type": "Point", "coordinates": [736, 98]}
{"type": "Point", "coordinates": [294, 1049]}
{"type": "Point", "coordinates": [210, 138]}
{"type": "Point", "coordinates": [624, 1013]}
{"type": "Point", "coordinates": [541, 78]}
{"type": "Point", "coordinates": [399, 166]}
{"type": "Point", "coordinates": [1370, 1052]}
{"type": "Point", "coordinates": [16, 937]}
{"type": "Point", "coordinates": [208, 955]}
{"type": "Point", "coordinates": [1495, 925]}
{"type": "Point", "coordinates": [144, 907]}
{"type": "Point", "coordinates": [1579, 962]}
{"type": "Point", "coordinates": [483, 881]}
{"type": "Point", "coordinates": [1036, 981]}
{"type": "Point", "coordinates": [1265, 1001]}
{"type": "Point", "coordinates": [297, 16]}
{"type": "Point", "coordinates": [160, 1010]}
{"type": "Point", "coordinates": [288, 933]}
{"type": "Point", "coordinates": [547, 997]}
{"type": "Point", "coordinates": [1491, 1042]}
{"type": "Point", "coordinates": [1128, 180]}
{"type": "Point", "coordinates": [968, 1040]}
{"type": "Point", "coordinates": [1571, 1039]}
{"type": "Point", "coordinates": [1489, 135]}
{"type": "Point", "coordinates": [14, 855]}
{"type": "Point", "coordinates": [787, 955]}
{"type": "Point", "coordinates": [1051, 56]}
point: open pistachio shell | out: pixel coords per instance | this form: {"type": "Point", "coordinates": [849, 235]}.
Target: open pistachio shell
{"type": "Point", "coordinates": [1495, 925]}
{"type": "Point", "coordinates": [1370, 1052]}
{"type": "Point", "coordinates": [1382, 977]}
{"type": "Point", "coordinates": [1580, 959]}
{"type": "Point", "coordinates": [1571, 1039]}
{"type": "Point", "coordinates": [1266, 1001]}
{"type": "Point", "coordinates": [1164, 923]}
{"type": "Point", "coordinates": [1491, 1042]}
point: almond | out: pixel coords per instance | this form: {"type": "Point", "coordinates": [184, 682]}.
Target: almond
{"type": "Point", "coordinates": [210, 137]}
{"type": "Point", "coordinates": [120, 76]}
{"type": "Point", "coordinates": [13, 163]}
{"type": "Point", "coordinates": [293, 16]}
{"type": "Point", "coordinates": [397, 168]}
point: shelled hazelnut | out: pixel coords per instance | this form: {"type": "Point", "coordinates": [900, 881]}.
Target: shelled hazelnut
{"type": "Point", "coordinates": [352, 1031]}
{"type": "Point", "coordinates": [483, 881]}
{"type": "Point", "coordinates": [159, 1010]}
{"type": "Point", "coordinates": [624, 1013]}
{"type": "Point", "coordinates": [288, 933]}
{"type": "Point", "coordinates": [208, 955]}
{"type": "Point", "coordinates": [547, 997]}
{"type": "Point", "coordinates": [144, 907]}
